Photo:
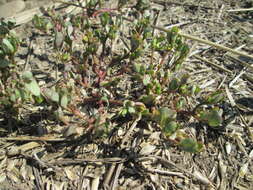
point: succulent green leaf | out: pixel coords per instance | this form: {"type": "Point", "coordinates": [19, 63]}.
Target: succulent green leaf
{"type": "Point", "coordinates": [174, 84]}
{"type": "Point", "coordinates": [172, 36]}
{"type": "Point", "coordinates": [64, 101]}
{"type": "Point", "coordinates": [59, 39]}
{"type": "Point", "coordinates": [4, 63]}
{"type": "Point", "coordinates": [37, 21]}
{"type": "Point", "coordinates": [70, 30]}
{"type": "Point", "coordinates": [15, 42]}
{"type": "Point", "coordinates": [148, 99]}
{"type": "Point", "coordinates": [13, 97]}
{"type": "Point", "coordinates": [3, 30]}
{"type": "Point", "coordinates": [146, 80]}
{"type": "Point", "coordinates": [190, 145]}
{"type": "Point", "coordinates": [105, 19]}
{"type": "Point", "coordinates": [7, 47]}
{"type": "Point", "coordinates": [158, 88]}
{"type": "Point", "coordinates": [128, 103]}
{"type": "Point", "coordinates": [24, 94]}
{"type": "Point", "coordinates": [65, 56]}
{"type": "Point", "coordinates": [184, 50]}
{"type": "Point", "coordinates": [184, 89]}
{"type": "Point", "coordinates": [27, 75]}
{"type": "Point", "coordinates": [170, 127]}
{"type": "Point", "coordinates": [39, 99]}
{"type": "Point", "coordinates": [123, 112]}
{"type": "Point", "coordinates": [215, 97]}
{"type": "Point", "coordinates": [5, 27]}
{"type": "Point", "coordinates": [137, 67]}
{"type": "Point", "coordinates": [33, 87]}
{"type": "Point", "coordinates": [212, 118]}
{"type": "Point", "coordinates": [17, 93]}
{"type": "Point", "coordinates": [131, 110]}
{"type": "Point", "coordinates": [163, 114]}
{"type": "Point", "coordinates": [135, 42]}
{"type": "Point", "coordinates": [111, 83]}
{"type": "Point", "coordinates": [2, 54]}
{"type": "Point", "coordinates": [180, 103]}
{"type": "Point", "coordinates": [195, 89]}
{"type": "Point", "coordinates": [145, 113]}
{"type": "Point", "coordinates": [41, 23]}
{"type": "Point", "coordinates": [49, 25]}
{"type": "Point", "coordinates": [52, 95]}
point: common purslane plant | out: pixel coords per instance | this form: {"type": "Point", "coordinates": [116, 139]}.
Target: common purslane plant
{"type": "Point", "coordinates": [130, 80]}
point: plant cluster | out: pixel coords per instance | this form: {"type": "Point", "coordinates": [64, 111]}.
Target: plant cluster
{"type": "Point", "coordinates": [16, 86]}
{"type": "Point", "coordinates": [128, 81]}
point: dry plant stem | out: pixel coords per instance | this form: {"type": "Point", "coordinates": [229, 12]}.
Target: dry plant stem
{"type": "Point", "coordinates": [229, 96]}
{"type": "Point", "coordinates": [153, 32]}
{"type": "Point", "coordinates": [82, 161]}
{"type": "Point", "coordinates": [37, 178]}
{"type": "Point", "coordinates": [30, 138]}
{"type": "Point", "coordinates": [240, 10]}
{"type": "Point", "coordinates": [114, 183]}
{"type": "Point", "coordinates": [222, 171]}
{"type": "Point", "coordinates": [248, 77]}
{"type": "Point", "coordinates": [29, 54]}
{"type": "Point", "coordinates": [42, 163]}
{"type": "Point", "coordinates": [221, 11]}
{"type": "Point", "coordinates": [240, 61]}
{"type": "Point", "coordinates": [237, 77]}
{"type": "Point", "coordinates": [165, 3]}
{"type": "Point", "coordinates": [124, 142]}
{"type": "Point", "coordinates": [179, 174]}
{"type": "Point", "coordinates": [95, 183]}
{"type": "Point", "coordinates": [109, 175]}
{"type": "Point", "coordinates": [178, 24]}
{"type": "Point", "coordinates": [237, 108]}
{"type": "Point", "coordinates": [169, 163]}
{"type": "Point", "coordinates": [245, 123]}
{"type": "Point", "coordinates": [213, 64]}
{"type": "Point", "coordinates": [21, 149]}
{"type": "Point", "coordinates": [193, 175]}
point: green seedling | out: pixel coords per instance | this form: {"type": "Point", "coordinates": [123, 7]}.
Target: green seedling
{"type": "Point", "coordinates": [42, 24]}
{"type": "Point", "coordinates": [190, 145]}
{"type": "Point", "coordinates": [30, 83]}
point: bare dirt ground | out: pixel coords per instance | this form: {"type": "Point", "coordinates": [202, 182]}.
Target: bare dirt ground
{"type": "Point", "coordinates": [46, 154]}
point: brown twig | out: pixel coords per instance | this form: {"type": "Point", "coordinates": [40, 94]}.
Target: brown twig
{"type": "Point", "coordinates": [84, 160]}
{"type": "Point", "coordinates": [125, 142]}
{"type": "Point", "coordinates": [30, 138]}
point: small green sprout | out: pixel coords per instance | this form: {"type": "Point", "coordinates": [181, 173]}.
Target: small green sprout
{"type": "Point", "coordinates": [190, 145]}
